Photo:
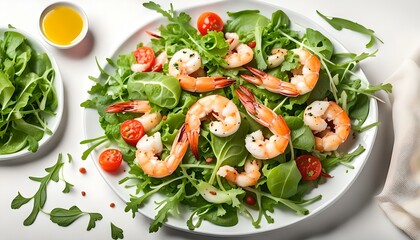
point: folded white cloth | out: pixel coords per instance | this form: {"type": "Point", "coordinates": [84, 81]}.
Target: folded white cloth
{"type": "Point", "coordinates": [400, 197]}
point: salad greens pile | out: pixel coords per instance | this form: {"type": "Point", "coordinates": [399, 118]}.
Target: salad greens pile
{"type": "Point", "coordinates": [281, 182]}
{"type": "Point", "coordinates": [27, 94]}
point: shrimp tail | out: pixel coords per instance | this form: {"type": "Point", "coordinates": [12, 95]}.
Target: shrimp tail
{"type": "Point", "coordinates": [137, 106]}
{"type": "Point", "coordinates": [193, 136]}
{"type": "Point", "coordinates": [247, 98]}
{"type": "Point", "coordinates": [252, 79]}
{"type": "Point", "coordinates": [182, 138]}
{"type": "Point", "coordinates": [277, 85]}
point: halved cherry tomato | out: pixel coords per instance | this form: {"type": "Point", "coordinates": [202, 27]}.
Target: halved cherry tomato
{"type": "Point", "coordinates": [110, 159]}
{"type": "Point", "coordinates": [309, 167]}
{"type": "Point", "coordinates": [145, 56]}
{"type": "Point", "coordinates": [131, 131]}
{"type": "Point", "coordinates": [209, 21]}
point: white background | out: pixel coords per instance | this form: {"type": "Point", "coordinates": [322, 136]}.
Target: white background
{"type": "Point", "coordinates": [355, 215]}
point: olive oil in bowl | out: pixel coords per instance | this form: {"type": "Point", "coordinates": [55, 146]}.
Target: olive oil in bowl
{"type": "Point", "coordinates": [63, 24]}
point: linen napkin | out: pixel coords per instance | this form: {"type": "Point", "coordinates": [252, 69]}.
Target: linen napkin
{"type": "Point", "coordinates": [400, 197]}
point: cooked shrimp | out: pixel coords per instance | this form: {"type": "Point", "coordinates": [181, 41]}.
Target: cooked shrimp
{"type": "Point", "coordinates": [255, 142]}
{"type": "Point", "coordinates": [148, 120]}
{"type": "Point", "coordinates": [329, 123]}
{"type": "Point", "coordinates": [203, 84]}
{"type": "Point", "coordinates": [226, 114]}
{"type": "Point", "coordinates": [247, 178]}
{"type": "Point", "coordinates": [184, 62]}
{"type": "Point", "coordinates": [148, 147]}
{"type": "Point", "coordinates": [303, 81]}
{"type": "Point", "coordinates": [239, 54]}
{"type": "Point", "coordinates": [276, 57]}
{"type": "Point", "coordinates": [232, 39]}
{"type": "Point", "coordinates": [160, 60]}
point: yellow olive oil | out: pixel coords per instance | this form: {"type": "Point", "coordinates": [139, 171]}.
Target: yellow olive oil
{"type": "Point", "coordinates": [62, 25]}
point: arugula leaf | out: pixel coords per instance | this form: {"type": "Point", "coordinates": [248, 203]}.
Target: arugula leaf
{"type": "Point", "coordinates": [116, 232]}
{"type": "Point", "coordinates": [340, 23]}
{"type": "Point", "coordinates": [65, 217]}
{"type": "Point", "coordinates": [40, 197]}
{"type": "Point", "coordinates": [169, 205]}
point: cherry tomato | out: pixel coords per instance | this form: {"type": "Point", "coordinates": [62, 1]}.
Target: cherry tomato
{"type": "Point", "coordinates": [309, 167]}
{"type": "Point", "coordinates": [209, 21]}
{"type": "Point", "coordinates": [131, 131]}
{"type": "Point", "coordinates": [110, 159]}
{"type": "Point", "coordinates": [145, 56]}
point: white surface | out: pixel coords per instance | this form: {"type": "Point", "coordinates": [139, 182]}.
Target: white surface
{"type": "Point", "coordinates": [354, 216]}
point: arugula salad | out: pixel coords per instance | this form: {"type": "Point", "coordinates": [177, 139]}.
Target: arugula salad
{"type": "Point", "coordinates": [27, 93]}
{"type": "Point", "coordinates": [188, 167]}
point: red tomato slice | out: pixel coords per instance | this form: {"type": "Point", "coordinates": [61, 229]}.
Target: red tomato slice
{"type": "Point", "coordinates": [145, 56]}
{"type": "Point", "coordinates": [309, 167]}
{"type": "Point", "coordinates": [131, 131]}
{"type": "Point", "coordinates": [209, 21]}
{"type": "Point", "coordinates": [110, 159]}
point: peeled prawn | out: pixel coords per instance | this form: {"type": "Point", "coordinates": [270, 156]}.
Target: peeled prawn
{"type": "Point", "coordinates": [148, 149]}
{"type": "Point", "coordinates": [255, 142]}
{"type": "Point", "coordinates": [276, 58]}
{"type": "Point", "coordinates": [203, 84]}
{"type": "Point", "coordinates": [329, 123]}
{"type": "Point", "coordinates": [247, 178]}
{"type": "Point", "coordinates": [223, 110]}
{"type": "Point", "coordinates": [303, 81]}
{"type": "Point", "coordinates": [239, 53]}
{"type": "Point", "coordinates": [149, 119]}
{"type": "Point", "coordinates": [186, 62]}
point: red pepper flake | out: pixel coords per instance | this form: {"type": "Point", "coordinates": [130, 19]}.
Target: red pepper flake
{"type": "Point", "coordinates": [112, 205]}
{"type": "Point", "coordinates": [209, 160]}
{"type": "Point", "coordinates": [164, 118]}
{"type": "Point", "coordinates": [83, 193]}
{"type": "Point", "coordinates": [82, 170]}
{"type": "Point", "coordinates": [213, 193]}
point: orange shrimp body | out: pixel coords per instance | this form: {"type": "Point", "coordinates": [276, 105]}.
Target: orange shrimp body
{"type": "Point", "coordinates": [328, 137]}
{"type": "Point", "coordinates": [255, 142]}
{"type": "Point", "coordinates": [303, 81]}
{"type": "Point", "coordinates": [148, 149]}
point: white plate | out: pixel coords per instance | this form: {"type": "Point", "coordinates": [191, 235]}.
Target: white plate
{"type": "Point", "coordinates": [331, 191]}
{"type": "Point", "coordinates": [53, 121]}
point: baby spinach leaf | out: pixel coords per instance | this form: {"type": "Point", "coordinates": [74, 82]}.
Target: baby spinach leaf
{"type": "Point", "coordinates": [229, 150]}
{"type": "Point", "coordinates": [283, 180]}
{"type": "Point", "coordinates": [228, 219]}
